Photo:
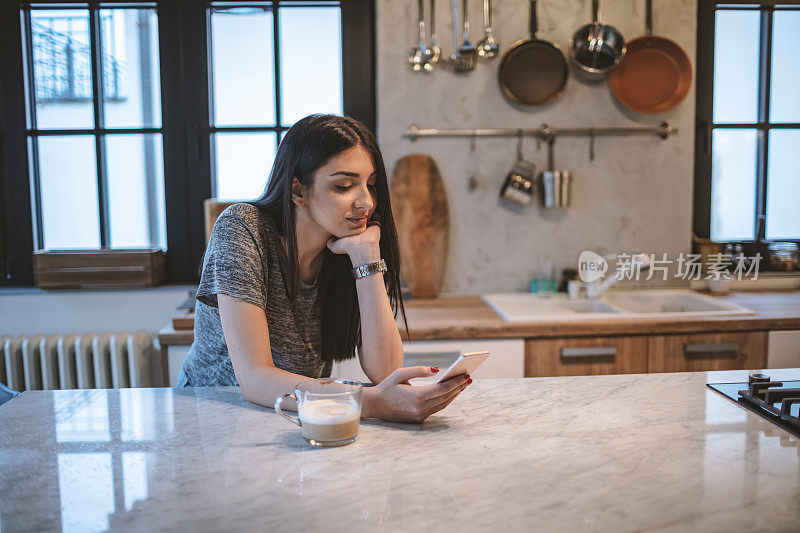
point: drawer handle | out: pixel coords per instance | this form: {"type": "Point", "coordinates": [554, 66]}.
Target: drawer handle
{"type": "Point", "coordinates": [595, 351]}
{"type": "Point", "coordinates": [700, 348]}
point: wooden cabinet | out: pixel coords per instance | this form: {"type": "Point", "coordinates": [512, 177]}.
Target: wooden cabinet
{"type": "Point", "coordinates": [506, 361]}
{"type": "Point", "coordinates": [584, 356]}
{"type": "Point", "coordinates": [707, 351]}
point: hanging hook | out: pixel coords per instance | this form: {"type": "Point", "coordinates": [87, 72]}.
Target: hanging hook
{"type": "Point", "coordinates": [592, 136]}
{"type": "Point", "coordinates": [473, 183]}
{"type": "Point", "coordinates": [519, 145]}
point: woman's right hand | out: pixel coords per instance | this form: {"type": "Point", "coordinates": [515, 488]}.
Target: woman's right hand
{"type": "Point", "coordinates": [395, 400]}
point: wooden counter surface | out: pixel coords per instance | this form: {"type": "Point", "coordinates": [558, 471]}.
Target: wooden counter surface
{"type": "Point", "coordinates": [467, 317]}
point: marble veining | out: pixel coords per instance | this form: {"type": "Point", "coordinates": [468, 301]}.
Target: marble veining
{"type": "Point", "coordinates": [594, 453]}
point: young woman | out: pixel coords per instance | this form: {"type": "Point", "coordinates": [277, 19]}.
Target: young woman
{"type": "Point", "coordinates": [281, 296]}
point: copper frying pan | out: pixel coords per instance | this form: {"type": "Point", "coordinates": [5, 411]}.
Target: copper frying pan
{"type": "Point", "coordinates": [656, 73]}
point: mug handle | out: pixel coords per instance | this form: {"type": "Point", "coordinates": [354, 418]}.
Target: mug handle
{"type": "Point", "coordinates": [278, 410]}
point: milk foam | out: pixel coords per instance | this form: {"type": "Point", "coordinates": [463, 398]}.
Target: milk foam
{"type": "Point", "coordinates": [329, 412]}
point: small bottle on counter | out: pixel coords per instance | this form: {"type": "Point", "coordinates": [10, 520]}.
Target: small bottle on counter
{"type": "Point", "coordinates": [546, 282]}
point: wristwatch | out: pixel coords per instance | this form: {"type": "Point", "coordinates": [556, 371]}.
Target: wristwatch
{"type": "Point", "coordinates": [370, 268]}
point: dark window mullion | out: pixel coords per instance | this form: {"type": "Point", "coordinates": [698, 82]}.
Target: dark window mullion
{"type": "Point", "coordinates": [212, 113]}
{"type": "Point", "coordinates": [761, 125]}
{"type": "Point", "coordinates": [33, 143]}
{"type": "Point", "coordinates": [101, 131]}
{"type": "Point", "coordinates": [99, 138]}
{"type": "Point", "coordinates": [765, 67]}
{"type": "Point", "coordinates": [277, 66]}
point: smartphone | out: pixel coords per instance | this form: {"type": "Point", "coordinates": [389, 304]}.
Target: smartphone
{"type": "Point", "coordinates": [465, 364]}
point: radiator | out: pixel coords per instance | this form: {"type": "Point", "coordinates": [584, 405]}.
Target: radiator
{"type": "Point", "coordinates": [79, 361]}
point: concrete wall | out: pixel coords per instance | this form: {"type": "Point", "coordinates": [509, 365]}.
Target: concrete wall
{"type": "Point", "coordinates": [635, 196]}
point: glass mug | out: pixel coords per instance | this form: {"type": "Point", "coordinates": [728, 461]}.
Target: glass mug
{"type": "Point", "coordinates": [329, 410]}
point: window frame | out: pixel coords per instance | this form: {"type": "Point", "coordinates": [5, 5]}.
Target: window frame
{"type": "Point", "coordinates": [704, 124]}
{"type": "Point", "coordinates": [184, 56]}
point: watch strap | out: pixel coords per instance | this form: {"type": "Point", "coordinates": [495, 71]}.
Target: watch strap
{"type": "Point", "coordinates": [369, 268]}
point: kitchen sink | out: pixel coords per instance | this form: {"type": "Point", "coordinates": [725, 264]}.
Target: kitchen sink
{"type": "Point", "coordinates": [590, 306]}
{"type": "Point", "coordinates": [661, 302]}
{"type": "Point", "coordinates": [622, 304]}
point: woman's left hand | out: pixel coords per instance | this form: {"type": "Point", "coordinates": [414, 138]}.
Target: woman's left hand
{"type": "Point", "coordinates": [363, 244]}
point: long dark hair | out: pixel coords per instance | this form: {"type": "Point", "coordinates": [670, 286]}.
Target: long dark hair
{"type": "Point", "coordinates": [306, 147]}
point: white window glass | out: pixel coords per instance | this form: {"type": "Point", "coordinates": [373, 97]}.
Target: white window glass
{"type": "Point", "coordinates": [311, 68]}
{"type": "Point", "coordinates": [81, 417]}
{"type": "Point", "coordinates": [68, 184]}
{"type": "Point", "coordinates": [134, 165]}
{"type": "Point", "coordinates": [785, 98]}
{"type": "Point", "coordinates": [736, 53]}
{"type": "Point", "coordinates": [733, 188]}
{"type": "Point", "coordinates": [783, 185]}
{"type": "Point", "coordinates": [62, 68]}
{"type": "Point", "coordinates": [244, 161]}
{"type": "Point", "coordinates": [131, 74]}
{"type": "Point", "coordinates": [134, 477]}
{"type": "Point", "coordinates": [86, 489]}
{"type": "Point", "coordinates": [242, 56]}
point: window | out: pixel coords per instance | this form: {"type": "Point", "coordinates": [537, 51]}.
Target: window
{"type": "Point", "coordinates": [119, 118]}
{"type": "Point", "coordinates": [747, 170]}
{"type": "Point", "coordinates": [94, 150]}
{"type": "Point", "coordinates": [267, 74]}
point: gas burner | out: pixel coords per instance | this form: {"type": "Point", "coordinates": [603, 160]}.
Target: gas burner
{"type": "Point", "coordinates": [777, 401]}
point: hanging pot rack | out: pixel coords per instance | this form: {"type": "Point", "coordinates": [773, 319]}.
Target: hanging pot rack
{"type": "Point", "coordinates": [544, 132]}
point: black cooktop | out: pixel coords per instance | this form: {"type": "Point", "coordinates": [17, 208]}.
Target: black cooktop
{"type": "Point", "coordinates": [777, 401]}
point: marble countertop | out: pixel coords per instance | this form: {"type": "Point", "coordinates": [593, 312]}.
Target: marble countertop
{"type": "Point", "coordinates": [591, 453]}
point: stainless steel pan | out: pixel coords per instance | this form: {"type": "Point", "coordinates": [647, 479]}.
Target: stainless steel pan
{"type": "Point", "coordinates": [596, 49]}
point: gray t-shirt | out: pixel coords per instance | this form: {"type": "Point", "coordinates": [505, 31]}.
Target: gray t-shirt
{"type": "Point", "coordinates": [246, 260]}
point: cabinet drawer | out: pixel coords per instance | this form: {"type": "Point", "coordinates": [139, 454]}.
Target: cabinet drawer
{"type": "Point", "coordinates": [707, 351]}
{"type": "Point", "coordinates": [506, 361]}
{"type": "Point", "coordinates": [585, 356]}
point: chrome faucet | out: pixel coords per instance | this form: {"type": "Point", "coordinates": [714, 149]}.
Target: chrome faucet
{"type": "Point", "coordinates": [597, 287]}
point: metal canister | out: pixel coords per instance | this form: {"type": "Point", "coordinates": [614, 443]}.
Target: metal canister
{"type": "Point", "coordinates": [555, 188]}
{"type": "Point", "coordinates": [519, 185]}
{"type": "Point", "coordinates": [783, 255]}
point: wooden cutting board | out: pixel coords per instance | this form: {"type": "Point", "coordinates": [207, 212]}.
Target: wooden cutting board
{"type": "Point", "coordinates": [422, 218]}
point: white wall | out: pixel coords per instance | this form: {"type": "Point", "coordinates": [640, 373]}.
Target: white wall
{"type": "Point", "coordinates": [31, 311]}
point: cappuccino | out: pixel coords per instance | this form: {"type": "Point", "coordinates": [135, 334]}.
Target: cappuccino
{"type": "Point", "coordinates": [327, 420]}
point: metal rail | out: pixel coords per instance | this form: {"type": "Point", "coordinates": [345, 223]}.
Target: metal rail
{"type": "Point", "coordinates": [663, 130]}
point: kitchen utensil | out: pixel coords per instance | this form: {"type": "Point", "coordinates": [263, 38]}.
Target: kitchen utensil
{"type": "Point", "coordinates": [467, 52]}
{"type": "Point", "coordinates": [656, 73]}
{"type": "Point", "coordinates": [455, 59]}
{"type": "Point", "coordinates": [519, 185]}
{"type": "Point", "coordinates": [555, 183]}
{"type": "Point", "coordinates": [488, 47]}
{"type": "Point", "coordinates": [434, 46]}
{"type": "Point", "coordinates": [472, 182]}
{"type": "Point", "coordinates": [421, 215]}
{"type": "Point", "coordinates": [783, 255]}
{"type": "Point", "coordinates": [420, 58]}
{"type": "Point", "coordinates": [533, 71]}
{"type": "Point", "coordinates": [596, 49]}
